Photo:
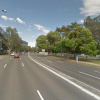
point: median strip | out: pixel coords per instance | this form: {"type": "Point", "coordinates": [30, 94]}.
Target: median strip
{"type": "Point", "coordinates": [82, 86]}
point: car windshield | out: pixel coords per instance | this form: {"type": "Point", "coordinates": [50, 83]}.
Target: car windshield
{"type": "Point", "coordinates": [49, 49]}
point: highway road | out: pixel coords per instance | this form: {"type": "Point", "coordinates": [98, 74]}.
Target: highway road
{"type": "Point", "coordinates": [38, 77]}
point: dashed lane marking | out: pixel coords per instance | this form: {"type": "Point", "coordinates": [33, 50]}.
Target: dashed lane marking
{"type": "Point", "coordinates": [22, 64]}
{"type": "Point", "coordinates": [41, 97]}
{"type": "Point", "coordinates": [5, 65]}
{"type": "Point", "coordinates": [89, 75]}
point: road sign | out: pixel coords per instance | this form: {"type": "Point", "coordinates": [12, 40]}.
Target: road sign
{"type": "Point", "coordinates": [43, 50]}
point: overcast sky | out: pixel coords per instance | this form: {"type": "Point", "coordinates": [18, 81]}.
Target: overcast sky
{"type": "Point", "coordinates": [35, 17]}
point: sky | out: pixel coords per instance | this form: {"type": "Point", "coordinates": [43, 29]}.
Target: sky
{"type": "Point", "coordinates": [33, 18]}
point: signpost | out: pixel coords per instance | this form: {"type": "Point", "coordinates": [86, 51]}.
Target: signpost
{"type": "Point", "coordinates": [43, 50]}
{"type": "Point", "coordinates": [77, 59]}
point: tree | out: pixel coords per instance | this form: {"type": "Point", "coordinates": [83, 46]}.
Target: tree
{"type": "Point", "coordinates": [4, 47]}
{"type": "Point", "coordinates": [90, 48]}
{"type": "Point", "coordinates": [66, 29]}
{"type": "Point", "coordinates": [41, 41]}
{"type": "Point", "coordinates": [83, 38]}
{"type": "Point", "coordinates": [68, 44]}
{"type": "Point", "coordinates": [52, 37]}
{"type": "Point", "coordinates": [93, 24]}
{"type": "Point", "coordinates": [58, 46]}
{"type": "Point", "coordinates": [13, 40]}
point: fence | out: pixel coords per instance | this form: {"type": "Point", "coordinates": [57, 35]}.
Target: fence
{"type": "Point", "coordinates": [71, 55]}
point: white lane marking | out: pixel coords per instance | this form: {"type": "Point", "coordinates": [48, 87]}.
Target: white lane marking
{"type": "Point", "coordinates": [5, 65]}
{"type": "Point", "coordinates": [38, 57]}
{"type": "Point", "coordinates": [89, 75]}
{"type": "Point", "coordinates": [10, 58]}
{"type": "Point", "coordinates": [49, 61]}
{"type": "Point", "coordinates": [59, 61]}
{"type": "Point", "coordinates": [96, 71]}
{"type": "Point", "coordinates": [40, 95]}
{"type": "Point", "coordinates": [69, 81]}
{"type": "Point", "coordinates": [20, 58]}
{"type": "Point", "coordinates": [22, 64]}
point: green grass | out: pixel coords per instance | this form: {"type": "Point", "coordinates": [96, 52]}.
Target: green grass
{"type": "Point", "coordinates": [73, 60]}
{"type": "Point", "coordinates": [96, 61]}
{"type": "Point", "coordinates": [4, 56]}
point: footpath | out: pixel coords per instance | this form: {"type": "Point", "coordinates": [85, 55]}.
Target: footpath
{"type": "Point", "coordinates": [3, 56]}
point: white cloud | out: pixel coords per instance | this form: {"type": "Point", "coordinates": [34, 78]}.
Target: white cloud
{"type": "Point", "coordinates": [91, 7]}
{"type": "Point", "coordinates": [46, 31]}
{"type": "Point", "coordinates": [20, 21]}
{"type": "Point", "coordinates": [32, 44]}
{"type": "Point", "coordinates": [11, 19]}
{"type": "Point", "coordinates": [7, 18]}
{"type": "Point", "coordinates": [42, 28]}
{"type": "Point", "coordinates": [4, 17]}
{"type": "Point", "coordinates": [81, 21]}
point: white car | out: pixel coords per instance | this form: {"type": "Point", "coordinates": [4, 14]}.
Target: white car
{"type": "Point", "coordinates": [12, 54]}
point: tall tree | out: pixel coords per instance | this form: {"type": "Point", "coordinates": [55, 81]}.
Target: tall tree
{"type": "Point", "coordinates": [64, 30]}
{"type": "Point", "coordinates": [83, 38]}
{"type": "Point", "coordinates": [13, 40]}
{"type": "Point", "coordinates": [68, 44]}
{"type": "Point", "coordinates": [52, 37]}
{"type": "Point", "coordinates": [93, 24]}
{"type": "Point", "coordinates": [41, 41]}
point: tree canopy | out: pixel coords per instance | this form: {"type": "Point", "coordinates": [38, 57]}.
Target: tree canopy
{"type": "Point", "coordinates": [41, 41]}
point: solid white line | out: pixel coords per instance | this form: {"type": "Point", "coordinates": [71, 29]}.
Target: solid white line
{"type": "Point", "coordinates": [5, 65]}
{"type": "Point", "coordinates": [22, 64]}
{"type": "Point", "coordinates": [40, 95]}
{"type": "Point", "coordinates": [89, 75]}
{"type": "Point", "coordinates": [69, 81]}
{"type": "Point", "coordinates": [96, 71]}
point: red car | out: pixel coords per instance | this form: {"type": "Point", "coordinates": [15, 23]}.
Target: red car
{"type": "Point", "coordinates": [16, 55]}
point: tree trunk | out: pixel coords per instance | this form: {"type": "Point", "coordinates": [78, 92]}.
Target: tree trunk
{"type": "Point", "coordinates": [68, 54]}
{"type": "Point", "coordinates": [86, 56]}
{"type": "Point", "coordinates": [61, 51]}
{"type": "Point", "coordinates": [9, 51]}
{"type": "Point", "coordinates": [74, 55]}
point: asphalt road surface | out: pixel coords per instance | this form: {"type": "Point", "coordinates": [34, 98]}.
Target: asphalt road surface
{"type": "Point", "coordinates": [38, 77]}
